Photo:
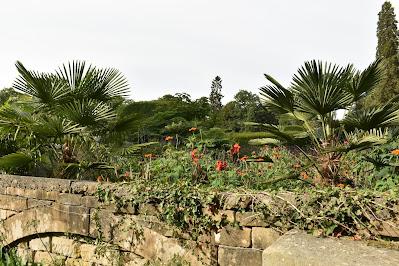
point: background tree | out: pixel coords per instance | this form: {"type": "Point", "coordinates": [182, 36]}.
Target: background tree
{"type": "Point", "coordinates": [215, 98]}
{"type": "Point", "coordinates": [387, 52]}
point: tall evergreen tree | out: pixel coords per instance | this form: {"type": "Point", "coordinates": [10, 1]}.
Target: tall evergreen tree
{"type": "Point", "coordinates": [387, 52]}
{"type": "Point", "coordinates": [215, 98]}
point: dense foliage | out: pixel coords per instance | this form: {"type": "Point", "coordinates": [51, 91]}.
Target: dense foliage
{"type": "Point", "coordinates": [387, 51]}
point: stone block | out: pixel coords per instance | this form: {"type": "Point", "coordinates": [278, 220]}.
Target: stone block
{"type": "Point", "coordinates": [148, 209]}
{"type": "Point", "coordinates": [66, 247]}
{"type": "Point", "coordinates": [235, 201]}
{"type": "Point", "coordinates": [48, 258]}
{"type": "Point", "coordinates": [103, 255]}
{"type": "Point", "coordinates": [234, 236]}
{"type": "Point", "coordinates": [36, 183]}
{"type": "Point", "coordinates": [33, 203]}
{"type": "Point", "coordinates": [152, 245]}
{"type": "Point", "coordinates": [69, 199]}
{"type": "Point", "coordinates": [232, 256]}
{"type": "Point", "coordinates": [15, 191]}
{"type": "Point", "coordinates": [84, 187]}
{"type": "Point", "coordinates": [26, 255]}
{"type": "Point", "coordinates": [13, 203]}
{"type": "Point", "coordinates": [63, 218]}
{"type": "Point", "coordinates": [217, 215]}
{"type": "Point", "coordinates": [90, 202]}
{"type": "Point", "coordinates": [78, 262]}
{"type": "Point", "coordinates": [388, 229]}
{"type": "Point", "coordinates": [299, 248]}
{"type": "Point", "coordinates": [263, 237]}
{"type": "Point", "coordinates": [250, 219]}
{"type": "Point", "coordinates": [41, 194]}
{"type": "Point", "coordinates": [4, 214]}
{"type": "Point", "coordinates": [40, 244]}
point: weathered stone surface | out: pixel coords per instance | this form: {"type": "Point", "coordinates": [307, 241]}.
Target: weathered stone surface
{"type": "Point", "coordinates": [57, 218]}
{"type": "Point", "coordinates": [153, 246]}
{"type": "Point", "coordinates": [41, 194]}
{"type": "Point", "coordinates": [32, 203]}
{"type": "Point", "coordinates": [148, 209]}
{"type": "Point", "coordinates": [84, 187]}
{"type": "Point", "coordinates": [250, 219]}
{"type": "Point", "coordinates": [18, 226]}
{"type": "Point", "coordinates": [78, 262]}
{"type": "Point", "coordinates": [235, 201]}
{"type": "Point", "coordinates": [263, 237]}
{"type": "Point", "coordinates": [63, 218]}
{"type": "Point", "coordinates": [66, 247]}
{"type": "Point", "coordinates": [90, 201]}
{"type": "Point", "coordinates": [218, 215]}
{"type": "Point", "coordinates": [298, 248]}
{"type": "Point", "coordinates": [69, 199]}
{"type": "Point", "coordinates": [25, 255]}
{"type": "Point", "coordinates": [33, 182]}
{"type": "Point", "coordinates": [4, 214]}
{"type": "Point", "coordinates": [232, 256]}
{"type": "Point", "coordinates": [233, 236]}
{"type": "Point", "coordinates": [131, 259]}
{"type": "Point", "coordinates": [41, 244]}
{"type": "Point", "coordinates": [388, 229]}
{"type": "Point", "coordinates": [97, 255]}
{"type": "Point", "coordinates": [13, 203]}
{"type": "Point", "coordinates": [48, 258]}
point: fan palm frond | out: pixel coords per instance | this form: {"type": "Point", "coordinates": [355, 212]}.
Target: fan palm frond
{"type": "Point", "coordinates": [88, 82]}
{"type": "Point", "coordinates": [364, 82]}
{"type": "Point", "coordinates": [320, 88]}
{"type": "Point", "coordinates": [87, 112]}
{"type": "Point", "coordinates": [46, 88]}
{"type": "Point", "coordinates": [370, 118]}
{"type": "Point", "coordinates": [276, 97]}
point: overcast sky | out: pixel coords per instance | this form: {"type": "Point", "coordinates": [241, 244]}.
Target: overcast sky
{"type": "Point", "coordinates": [170, 46]}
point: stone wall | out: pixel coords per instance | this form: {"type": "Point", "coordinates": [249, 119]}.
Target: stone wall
{"type": "Point", "coordinates": [61, 222]}
{"type": "Point", "coordinates": [56, 220]}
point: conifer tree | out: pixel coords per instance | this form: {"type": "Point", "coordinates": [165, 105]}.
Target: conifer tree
{"type": "Point", "coordinates": [387, 52]}
{"type": "Point", "coordinates": [215, 98]}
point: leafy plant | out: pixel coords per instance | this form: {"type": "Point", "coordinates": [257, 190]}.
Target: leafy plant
{"type": "Point", "coordinates": [317, 92]}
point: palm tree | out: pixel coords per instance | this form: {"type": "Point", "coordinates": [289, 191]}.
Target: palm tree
{"type": "Point", "coordinates": [318, 91]}
{"type": "Point", "coordinates": [69, 119]}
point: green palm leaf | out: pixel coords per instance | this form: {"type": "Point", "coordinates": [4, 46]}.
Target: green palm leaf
{"type": "Point", "coordinates": [46, 88]}
{"type": "Point", "coordinates": [320, 88]}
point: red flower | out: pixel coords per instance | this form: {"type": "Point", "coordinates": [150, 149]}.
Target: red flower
{"type": "Point", "coordinates": [235, 149]}
{"type": "Point", "coordinates": [149, 155]}
{"type": "Point", "coordinates": [193, 129]}
{"type": "Point", "coordinates": [127, 174]}
{"type": "Point", "coordinates": [220, 165]}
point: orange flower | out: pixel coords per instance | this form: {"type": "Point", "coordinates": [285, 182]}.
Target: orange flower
{"type": "Point", "coordinates": [244, 158]}
{"type": "Point", "coordinates": [194, 156]}
{"type": "Point", "coordinates": [341, 185]}
{"type": "Point", "coordinates": [235, 149]}
{"type": "Point", "coordinates": [193, 129]}
{"type": "Point", "coordinates": [220, 165]}
{"type": "Point", "coordinates": [149, 155]}
{"type": "Point", "coordinates": [99, 178]}
{"type": "Point", "coordinates": [395, 152]}
{"type": "Point", "coordinates": [168, 138]}
{"type": "Point", "coordinates": [127, 174]}
{"type": "Point", "coordinates": [304, 175]}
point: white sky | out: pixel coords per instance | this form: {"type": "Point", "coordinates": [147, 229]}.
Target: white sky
{"type": "Point", "coordinates": [170, 46]}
